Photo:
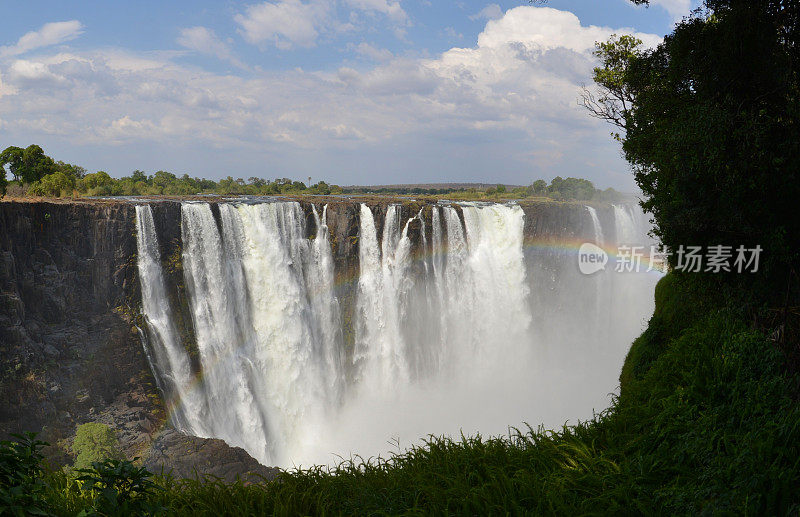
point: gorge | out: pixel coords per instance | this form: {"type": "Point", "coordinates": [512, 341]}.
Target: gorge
{"type": "Point", "coordinates": [308, 330]}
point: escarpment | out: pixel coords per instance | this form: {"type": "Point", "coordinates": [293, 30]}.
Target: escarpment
{"type": "Point", "coordinates": [71, 325]}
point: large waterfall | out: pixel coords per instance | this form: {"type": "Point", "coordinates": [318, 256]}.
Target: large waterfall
{"type": "Point", "coordinates": [447, 331]}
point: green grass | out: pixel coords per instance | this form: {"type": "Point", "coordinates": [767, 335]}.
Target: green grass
{"type": "Point", "coordinates": [706, 422]}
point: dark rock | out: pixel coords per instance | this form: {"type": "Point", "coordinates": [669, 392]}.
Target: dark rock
{"type": "Point", "coordinates": [192, 457]}
{"type": "Point", "coordinates": [67, 336]}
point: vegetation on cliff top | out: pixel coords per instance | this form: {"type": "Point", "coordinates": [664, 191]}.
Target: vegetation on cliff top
{"type": "Point", "coordinates": [36, 174]}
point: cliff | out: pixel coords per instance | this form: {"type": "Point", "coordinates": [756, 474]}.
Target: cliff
{"type": "Point", "coordinates": [70, 345]}
{"type": "Point", "coordinates": [70, 353]}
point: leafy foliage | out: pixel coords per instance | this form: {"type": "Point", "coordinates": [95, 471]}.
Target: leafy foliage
{"type": "Point", "coordinates": [54, 185]}
{"type": "Point", "coordinates": [95, 442]}
{"type": "Point", "coordinates": [710, 121]}
{"type": "Point", "coordinates": [64, 179]}
{"type": "Point", "coordinates": [120, 488]}
{"type": "Point", "coordinates": [27, 165]}
{"type": "Point", "coordinates": [21, 476]}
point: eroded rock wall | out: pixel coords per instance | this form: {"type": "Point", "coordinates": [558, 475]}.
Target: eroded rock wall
{"type": "Point", "coordinates": [70, 351]}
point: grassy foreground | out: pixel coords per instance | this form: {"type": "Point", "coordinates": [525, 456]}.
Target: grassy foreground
{"type": "Point", "coordinates": [707, 422]}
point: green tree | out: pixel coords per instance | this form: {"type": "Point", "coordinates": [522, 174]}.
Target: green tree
{"type": "Point", "coordinates": [616, 98]}
{"type": "Point", "coordinates": [538, 187]}
{"type": "Point", "coordinates": [74, 171]}
{"type": "Point", "coordinates": [27, 165]}
{"type": "Point", "coordinates": [11, 157]}
{"type": "Point", "coordinates": [53, 185]}
{"type": "Point", "coordinates": [138, 176]}
{"type": "Point", "coordinates": [571, 188]}
{"type": "Point", "coordinates": [711, 127]}
{"type": "Point", "coordinates": [35, 164]}
{"type": "Point", "coordinates": [162, 180]}
{"type": "Point", "coordinates": [95, 442]}
{"type": "Point", "coordinates": [320, 188]}
{"type": "Point", "coordinates": [97, 184]}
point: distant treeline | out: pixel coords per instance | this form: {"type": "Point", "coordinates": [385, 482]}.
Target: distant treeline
{"type": "Point", "coordinates": [33, 173]}
{"type": "Point", "coordinates": [559, 189]}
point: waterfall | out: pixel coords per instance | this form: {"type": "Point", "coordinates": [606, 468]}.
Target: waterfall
{"type": "Point", "coordinates": [266, 322]}
{"type": "Point", "coordinates": [380, 350]}
{"type": "Point", "coordinates": [223, 338]}
{"type": "Point", "coordinates": [624, 225]}
{"type": "Point", "coordinates": [598, 229]}
{"type": "Point", "coordinates": [442, 327]}
{"type": "Point", "coordinates": [185, 403]}
{"type": "Point", "coordinates": [483, 270]}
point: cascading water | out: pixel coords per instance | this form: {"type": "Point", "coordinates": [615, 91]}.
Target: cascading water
{"type": "Point", "coordinates": [442, 338]}
{"type": "Point", "coordinates": [185, 402]}
{"type": "Point", "coordinates": [630, 224]}
{"type": "Point", "coordinates": [598, 229]}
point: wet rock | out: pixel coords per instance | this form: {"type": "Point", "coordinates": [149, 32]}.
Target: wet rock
{"type": "Point", "coordinates": [191, 457]}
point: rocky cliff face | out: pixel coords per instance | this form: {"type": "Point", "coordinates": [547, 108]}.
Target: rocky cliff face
{"type": "Point", "coordinates": [70, 347]}
{"type": "Point", "coordinates": [70, 353]}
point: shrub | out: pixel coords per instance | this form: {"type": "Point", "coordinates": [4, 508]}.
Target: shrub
{"type": "Point", "coordinates": [119, 488]}
{"type": "Point", "coordinates": [53, 185]}
{"type": "Point", "coordinates": [95, 442]}
{"type": "Point", "coordinates": [21, 485]}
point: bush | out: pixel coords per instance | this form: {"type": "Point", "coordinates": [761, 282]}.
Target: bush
{"type": "Point", "coordinates": [97, 184]}
{"type": "Point", "coordinates": [53, 185]}
{"type": "Point", "coordinates": [21, 485]}
{"type": "Point", "coordinates": [119, 488]}
{"type": "Point", "coordinates": [95, 442]}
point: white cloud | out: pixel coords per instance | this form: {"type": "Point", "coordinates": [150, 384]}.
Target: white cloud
{"type": "Point", "coordinates": [6, 89]}
{"type": "Point", "coordinates": [50, 34]}
{"type": "Point", "coordinates": [373, 52]}
{"type": "Point", "coordinates": [518, 85]}
{"type": "Point", "coordinates": [451, 33]}
{"type": "Point", "coordinates": [392, 9]}
{"type": "Point", "coordinates": [548, 28]}
{"type": "Point", "coordinates": [205, 41]}
{"type": "Point", "coordinates": [285, 23]}
{"type": "Point", "coordinates": [490, 12]}
{"type": "Point", "coordinates": [32, 73]}
{"type": "Point", "coordinates": [676, 8]}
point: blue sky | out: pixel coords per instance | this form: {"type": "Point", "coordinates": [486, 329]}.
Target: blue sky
{"type": "Point", "coordinates": [349, 91]}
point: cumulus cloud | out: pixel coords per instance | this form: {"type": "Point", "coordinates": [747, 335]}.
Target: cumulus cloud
{"type": "Point", "coordinates": [286, 23]}
{"type": "Point", "coordinates": [548, 28]}
{"type": "Point", "coordinates": [6, 89]}
{"type": "Point", "coordinates": [205, 41]}
{"type": "Point", "coordinates": [50, 34]}
{"type": "Point", "coordinates": [519, 83]}
{"type": "Point", "coordinates": [490, 12]}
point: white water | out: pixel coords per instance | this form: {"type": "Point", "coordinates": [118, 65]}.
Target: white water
{"type": "Point", "coordinates": [598, 228]}
{"type": "Point", "coordinates": [462, 333]}
{"type": "Point", "coordinates": [184, 401]}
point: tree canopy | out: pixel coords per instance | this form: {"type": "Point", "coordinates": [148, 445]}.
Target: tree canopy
{"type": "Point", "coordinates": [710, 125]}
